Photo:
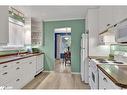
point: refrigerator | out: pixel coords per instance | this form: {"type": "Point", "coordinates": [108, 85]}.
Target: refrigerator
{"type": "Point", "coordinates": [84, 58]}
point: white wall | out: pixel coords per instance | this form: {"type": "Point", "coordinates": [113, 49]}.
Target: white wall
{"type": "Point", "coordinates": [27, 31]}
{"type": "Point", "coordinates": [94, 48]}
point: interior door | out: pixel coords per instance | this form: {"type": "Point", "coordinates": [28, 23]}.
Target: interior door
{"type": "Point", "coordinates": [58, 46]}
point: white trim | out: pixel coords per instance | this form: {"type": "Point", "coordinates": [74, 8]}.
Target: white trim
{"type": "Point", "coordinates": [46, 20]}
{"type": "Point", "coordinates": [48, 71]}
{"type": "Point", "coordinates": [14, 21]}
{"type": "Point", "coordinates": [63, 30]}
{"type": "Point", "coordinates": [75, 72]}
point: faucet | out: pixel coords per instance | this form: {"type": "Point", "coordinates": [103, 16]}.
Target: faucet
{"type": "Point", "coordinates": [18, 54]}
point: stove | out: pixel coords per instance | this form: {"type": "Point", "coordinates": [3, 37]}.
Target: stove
{"type": "Point", "coordinates": [93, 70]}
{"type": "Point", "coordinates": [118, 62]}
{"type": "Point", "coordinates": [100, 60]}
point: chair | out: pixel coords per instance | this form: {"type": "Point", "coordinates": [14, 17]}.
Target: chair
{"type": "Point", "coordinates": [67, 57]}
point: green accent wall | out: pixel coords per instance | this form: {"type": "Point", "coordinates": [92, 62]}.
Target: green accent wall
{"type": "Point", "coordinates": [77, 28]}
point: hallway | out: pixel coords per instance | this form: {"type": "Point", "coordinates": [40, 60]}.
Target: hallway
{"type": "Point", "coordinates": [60, 78]}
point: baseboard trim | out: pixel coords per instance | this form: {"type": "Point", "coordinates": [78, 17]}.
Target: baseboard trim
{"type": "Point", "coordinates": [47, 71]}
{"type": "Point", "coordinates": [75, 72]}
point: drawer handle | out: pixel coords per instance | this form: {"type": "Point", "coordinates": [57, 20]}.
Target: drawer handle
{"type": "Point", "coordinates": [108, 24]}
{"type": "Point", "coordinates": [18, 80]}
{"type": "Point", "coordinates": [4, 73]}
{"type": "Point", "coordinates": [17, 68]}
{"type": "Point", "coordinates": [105, 79]}
{"type": "Point", "coordinates": [17, 62]}
{"type": "Point", "coordinates": [30, 63]}
{"type": "Point", "coordinates": [5, 66]}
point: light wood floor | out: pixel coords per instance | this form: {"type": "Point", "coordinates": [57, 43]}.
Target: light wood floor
{"type": "Point", "coordinates": [60, 78]}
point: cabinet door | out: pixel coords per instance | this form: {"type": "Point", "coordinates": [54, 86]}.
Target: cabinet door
{"type": "Point", "coordinates": [105, 18]}
{"type": "Point", "coordinates": [92, 17]}
{"type": "Point", "coordinates": [16, 83]}
{"type": "Point", "coordinates": [20, 35]}
{"type": "Point", "coordinates": [39, 64]}
{"type": "Point", "coordinates": [29, 69]}
{"type": "Point", "coordinates": [6, 76]}
{"type": "Point", "coordinates": [105, 82]}
{"type": "Point", "coordinates": [12, 33]}
{"type": "Point", "coordinates": [4, 34]}
{"type": "Point", "coordinates": [119, 13]}
{"type": "Point", "coordinates": [16, 34]}
{"type": "Point", "coordinates": [102, 81]}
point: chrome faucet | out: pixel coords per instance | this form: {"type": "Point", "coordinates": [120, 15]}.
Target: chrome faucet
{"type": "Point", "coordinates": [18, 52]}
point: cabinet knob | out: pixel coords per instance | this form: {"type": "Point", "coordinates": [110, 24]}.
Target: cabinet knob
{"type": "Point", "coordinates": [115, 25]}
{"type": "Point", "coordinates": [17, 62]}
{"type": "Point", "coordinates": [4, 73]}
{"type": "Point", "coordinates": [18, 80]}
{"type": "Point", "coordinates": [105, 79]}
{"type": "Point", "coordinates": [108, 24]}
{"type": "Point", "coordinates": [17, 68]}
{"type": "Point", "coordinates": [4, 66]}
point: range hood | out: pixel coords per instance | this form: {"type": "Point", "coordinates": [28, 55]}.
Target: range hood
{"type": "Point", "coordinates": [108, 36]}
{"type": "Point", "coordinates": [116, 33]}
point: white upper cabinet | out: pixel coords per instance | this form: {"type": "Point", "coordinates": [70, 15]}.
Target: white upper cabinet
{"type": "Point", "coordinates": [119, 13]}
{"type": "Point", "coordinates": [4, 34]}
{"type": "Point", "coordinates": [105, 17]}
{"type": "Point", "coordinates": [16, 34]}
{"type": "Point", "coordinates": [36, 31]}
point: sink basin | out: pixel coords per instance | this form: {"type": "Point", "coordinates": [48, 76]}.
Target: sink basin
{"type": "Point", "coordinates": [24, 55]}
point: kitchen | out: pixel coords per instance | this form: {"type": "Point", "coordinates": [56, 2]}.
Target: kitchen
{"type": "Point", "coordinates": [101, 44]}
{"type": "Point", "coordinates": [107, 47]}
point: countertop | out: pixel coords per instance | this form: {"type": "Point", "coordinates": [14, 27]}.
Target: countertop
{"type": "Point", "coordinates": [117, 73]}
{"type": "Point", "coordinates": [14, 57]}
{"type": "Point", "coordinates": [96, 57]}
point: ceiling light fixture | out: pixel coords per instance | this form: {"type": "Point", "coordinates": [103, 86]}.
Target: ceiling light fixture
{"type": "Point", "coordinates": [66, 37]}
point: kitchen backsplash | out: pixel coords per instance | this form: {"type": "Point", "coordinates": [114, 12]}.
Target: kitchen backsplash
{"type": "Point", "coordinates": [10, 52]}
{"type": "Point", "coordinates": [24, 49]}
{"type": "Point", "coordinates": [122, 48]}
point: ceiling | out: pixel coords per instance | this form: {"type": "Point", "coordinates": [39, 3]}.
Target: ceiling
{"type": "Point", "coordinates": [52, 13]}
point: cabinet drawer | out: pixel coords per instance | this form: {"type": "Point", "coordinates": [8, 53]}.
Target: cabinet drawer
{"type": "Point", "coordinates": [18, 63]}
{"type": "Point", "coordinates": [6, 76]}
{"type": "Point", "coordinates": [6, 66]}
{"type": "Point", "coordinates": [17, 83]}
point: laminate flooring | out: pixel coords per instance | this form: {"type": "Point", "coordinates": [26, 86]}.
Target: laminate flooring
{"type": "Point", "coordinates": [60, 78]}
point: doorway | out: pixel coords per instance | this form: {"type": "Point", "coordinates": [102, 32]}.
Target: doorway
{"type": "Point", "coordinates": [62, 43]}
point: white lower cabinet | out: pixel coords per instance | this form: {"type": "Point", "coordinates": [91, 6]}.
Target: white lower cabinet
{"type": "Point", "coordinates": [6, 76]}
{"type": "Point", "coordinates": [16, 83]}
{"type": "Point", "coordinates": [40, 63]}
{"type": "Point", "coordinates": [105, 82]}
{"type": "Point", "coordinates": [16, 74]}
